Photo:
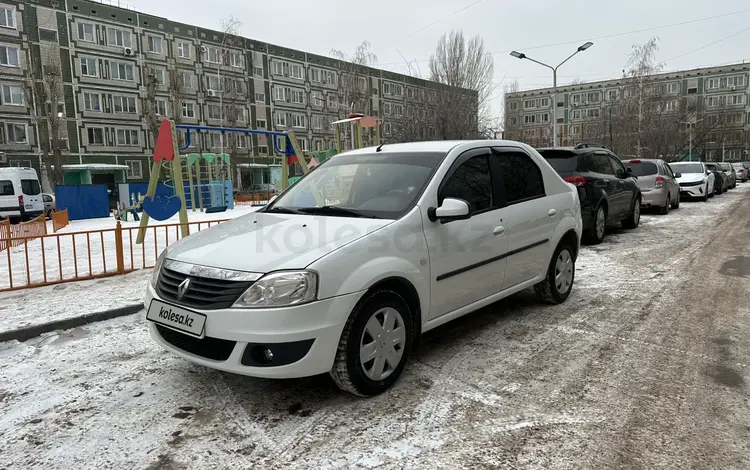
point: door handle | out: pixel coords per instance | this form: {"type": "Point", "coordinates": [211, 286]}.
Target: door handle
{"type": "Point", "coordinates": [552, 212]}
{"type": "Point", "coordinates": [499, 230]}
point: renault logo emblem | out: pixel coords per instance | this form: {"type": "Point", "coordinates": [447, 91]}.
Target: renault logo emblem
{"type": "Point", "coordinates": [182, 288]}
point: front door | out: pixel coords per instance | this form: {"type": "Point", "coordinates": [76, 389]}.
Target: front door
{"type": "Point", "coordinates": [626, 186]}
{"type": "Point", "coordinates": [467, 257]}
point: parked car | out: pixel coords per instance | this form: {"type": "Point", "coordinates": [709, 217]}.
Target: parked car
{"type": "Point", "coordinates": [49, 204]}
{"type": "Point", "coordinates": [657, 182]}
{"type": "Point", "coordinates": [742, 171]}
{"type": "Point", "coordinates": [426, 233]}
{"type": "Point", "coordinates": [20, 194]}
{"type": "Point", "coordinates": [731, 174]}
{"type": "Point", "coordinates": [695, 180]}
{"type": "Point", "coordinates": [609, 194]}
{"type": "Point", "coordinates": [721, 179]}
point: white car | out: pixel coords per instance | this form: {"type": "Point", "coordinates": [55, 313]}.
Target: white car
{"type": "Point", "coordinates": [696, 181]}
{"type": "Point", "coordinates": [346, 268]}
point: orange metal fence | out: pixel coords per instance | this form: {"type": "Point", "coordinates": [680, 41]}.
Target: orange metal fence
{"type": "Point", "coordinates": [59, 220]}
{"type": "Point", "coordinates": [14, 235]}
{"type": "Point", "coordinates": [76, 256]}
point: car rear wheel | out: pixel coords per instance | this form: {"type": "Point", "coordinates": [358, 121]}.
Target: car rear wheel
{"type": "Point", "coordinates": [676, 204]}
{"type": "Point", "coordinates": [556, 287]}
{"type": "Point", "coordinates": [665, 208]}
{"type": "Point", "coordinates": [595, 235]}
{"type": "Point", "coordinates": [634, 218]}
{"type": "Point", "coordinates": [374, 345]}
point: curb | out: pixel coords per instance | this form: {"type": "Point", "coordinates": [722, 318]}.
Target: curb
{"type": "Point", "coordinates": [28, 332]}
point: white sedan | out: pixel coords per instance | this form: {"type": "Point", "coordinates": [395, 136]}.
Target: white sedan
{"type": "Point", "coordinates": [696, 181]}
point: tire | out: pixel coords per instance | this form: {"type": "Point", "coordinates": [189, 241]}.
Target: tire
{"type": "Point", "coordinates": [550, 290]}
{"type": "Point", "coordinates": [634, 217]}
{"type": "Point", "coordinates": [705, 195]}
{"type": "Point", "coordinates": [348, 371]}
{"type": "Point", "coordinates": [595, 234]}
{"type": "Point", "coordinates": [676, 204]}
{"type": "Point", "coordinates": [664, 210]}
{"type": "Point", "coordinates": [719, 190]}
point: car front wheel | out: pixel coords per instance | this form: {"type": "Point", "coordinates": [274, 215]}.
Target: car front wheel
{"type": "Point", "coordinates": [556, 287]}
{"type": "Point", "coordinates": [374, 345]}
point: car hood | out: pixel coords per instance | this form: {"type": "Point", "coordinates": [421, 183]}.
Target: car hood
{"type": "Point", "coordinates": [262, 242]}
{"type": "Point", "coordinates": [690, 177]}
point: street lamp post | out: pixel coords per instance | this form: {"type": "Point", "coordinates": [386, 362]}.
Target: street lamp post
{"type": "Point", "coordinates": [521, 55]}
{"type": "Point", "coordinates": [690, 125]}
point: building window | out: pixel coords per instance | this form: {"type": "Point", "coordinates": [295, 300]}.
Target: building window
{"type": "Point", "coordinates": [591, 98]}
{"type": "Point", "coordinates": [736, 99]}
{"type": "Point", "coordinates": [212, 55]}
{"type": "Point", "coordinates": [262, 150]}
{"type": "Point", "coordinates": [329, 78]}
{"type": "Point", "coordinates": [86, 32]}
{"type": "Point", "coordinates": [298, 96]}
{"type": "Point", "coordinates": [296, 71]}
{"type": "Point", "coordinates": [89, 67]}
{"type": "Point", "coordinates": [260, 97]}
{"type": "Point", "coordinates": [280, 119]}
{"type": "Point", "coordinates": [671, 106]}
{"type": "Point", "coordinates": [529, 104]}
{"type": "Point", "coordinates": [8, 17]}
{"type": "Point", "coordinates": [575, 114]}
{"type": "Point", "coordinates": [95, 135]}
{"type": "Point", "coordinates": [235, 59]}
{"type": "Point", "coordinates": [592, 113]}
{"type": "Point", "coordinates": [387, 88]}
{"type": "Point", "coordinates": [48, 35]}
{"type": "Point", "coordinates": [187, 79]}
{"type": "Point", "coordinates": [672, 87]}
{"type": "Point", "coordinates": [135, 169]}
{"type": "Point", "coordinates": [260, 123]}
{"type": "Point", "coordinates": [737, 81]}
{"type": "Point", "coordinates": [398, 110]}
{"type": "Point", "coordinates": [333, 101]}
{"type": "Point", "coordinates": [713, 83]}
{"type": "Point", "coordinates": [118, 37]}
{"type": "Point", "coordinates": [124, 104]}
{"type": "Point", "coordinates": [16, 134]}
{"type": "Point", "coordinates": [387, 108]}
{"type": "Point", "coordinates": [12, 95]}
{"type": "Point", "coordinates": [241, 141]}
{"type": "Point", "coordinates": [298, 121]}
{"type": "Point", "coordinates": [92, 101]}
{"type": "Point", "coordinates": [258, 70]}
{"type": "Point", "coordinates": [315, 75]}
{"type": "Point", "coordinates": [127, 137]}
{"type": "Point", "coordinates": [279, 94]}
{"type": "Point", "coordinates": [319, 144]}
{"type": "Point", "coordinates": [188, 110]}
{"type": "Point", "coordinates": [277, 68]}
{"type": "Point", "coordinates": [530, 119]}
{"type": "Point", "coordinates": [612, 95]}
{"type": "Point", "coordinates": [119, 71]}
{"type": "Point", "coordinates": [9, 56]}
{"type": "Point", "coordinates": [303, 145]}
{"type": "Point", "coordinates": [155, 45]}
{"type": "Point", "coordinates": [317, 99]}
{"type": "Point", "coordinates": [160, 107]}
{"type": "Point", "coordinates": [317, 122]}
{"type": "Point", "coordinates": [159, 75]}
{"type": "Point", "coordinates": [212, 82]}
{"type": "Point", "coordinates": [183, 49]}
{"type": "Point", "coordinates": [214, 111]}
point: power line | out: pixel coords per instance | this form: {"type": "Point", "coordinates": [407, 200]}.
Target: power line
{"type": "Point", "coordinates": [608, 36]}
{"type": "Point", "coordinates": [429, 25]}
{"type": "Point", "coordinates": [709, 45]}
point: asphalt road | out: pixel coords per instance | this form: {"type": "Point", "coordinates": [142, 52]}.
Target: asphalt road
{"type": "Point", "coordinates": [645, 366]}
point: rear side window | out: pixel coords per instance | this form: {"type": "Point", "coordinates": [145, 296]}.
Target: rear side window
{"type": "Point", "coordinates": [603, 164]}
{"type": "Point", "coordinates": [642, 168]}
{"type": "Point", "coordinates": [521, 177]}
{"type": "Point", "coordinates": [471, 182]}
{"type": "Point", "coordinates": [562, 161]}
{"type": "Point", "coordinates": [30, 187]}
{"type": "Point", "coordinates": [6, 188]}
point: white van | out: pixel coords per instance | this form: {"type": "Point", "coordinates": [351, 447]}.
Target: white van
{"type": "Point", "coordinates": [20, 193]}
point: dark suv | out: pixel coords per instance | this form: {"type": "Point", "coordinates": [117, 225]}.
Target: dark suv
{"type": "Point", "coordinates": [608, 191]}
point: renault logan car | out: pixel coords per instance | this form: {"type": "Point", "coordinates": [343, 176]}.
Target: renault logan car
{"type": "Point", "coordinates": [345, 270]}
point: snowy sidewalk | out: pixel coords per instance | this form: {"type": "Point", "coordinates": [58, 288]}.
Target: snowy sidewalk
{"type": "Point", "coordinates": [33, 307]}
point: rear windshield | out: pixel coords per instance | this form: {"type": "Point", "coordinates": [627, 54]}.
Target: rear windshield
{"type": "Point", "coordinates": [712, 167]}
{"type": "Point", "coordinates": [686, 167]}
{"type": "Point", "coordinates": [30, 187]}
{"type": "Point", "coordinates": [561, 160]}
{"type": "Point", "coordinates": [642, 168]}
{"type": "Point", "coordinates": [6, 188]}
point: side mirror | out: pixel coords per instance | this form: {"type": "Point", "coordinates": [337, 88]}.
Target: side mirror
{"type": "Point", "coordinates": [451, 209]}
{"type": "Point", "coordinates": [678, 175]}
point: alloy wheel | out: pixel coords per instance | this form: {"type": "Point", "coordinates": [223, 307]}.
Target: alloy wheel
{"type": "Point", "coordinates": [600, 223]}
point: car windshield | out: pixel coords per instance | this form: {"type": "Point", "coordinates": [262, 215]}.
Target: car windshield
{"type": "Point", "coordinates": [562, 161]}
{"type": "Point", "coordinates": [641, 168]}
{"type": "Point", "coordinates": [686, 167]}
{"type": "Point", "coordinates": [378, 185]}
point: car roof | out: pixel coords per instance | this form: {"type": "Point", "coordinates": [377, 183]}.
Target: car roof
{"type": "Point", "coordinates": [647, 160]}
{"type": "Point", "coordinates": [432, 146]}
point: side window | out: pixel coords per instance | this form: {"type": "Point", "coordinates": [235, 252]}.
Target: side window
{"type": "Point", "coordinates": [588, 163]}
{"type": "Point", "coordinates": [617, 167]}
{"type": "Point", "coordinates": [603, 165]}
{"type": "Point", "coordinates": [6, 188]}
{"type": "Point", "coordinates": [522, 178]}
{"type": "Point", "coordinates": [472, 182]}
{"type": "Point", "coordinates": [668, 170]}
{"type": "Point", "coordinates": [47, 198]}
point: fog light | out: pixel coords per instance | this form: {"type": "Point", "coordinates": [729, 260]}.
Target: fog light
{"type": "Point", "coordinates": [267, 354]}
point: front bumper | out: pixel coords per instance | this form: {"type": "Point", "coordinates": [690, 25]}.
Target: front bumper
{"type": "Point", "coordinates": [693, 191]}
{"type": "Point", "coordinates": [654, 197]}
{"type": "Point", "coordinates": [303, 338]}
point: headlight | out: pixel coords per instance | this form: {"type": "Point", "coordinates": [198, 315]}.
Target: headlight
{"type": "Point", "coordinates": [280, 289]}
{"type": "Point", "coordinates": [157, 267]}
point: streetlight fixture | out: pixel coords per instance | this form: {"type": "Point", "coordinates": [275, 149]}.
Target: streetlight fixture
{"type": "Point", "coordinates": [521, 55]}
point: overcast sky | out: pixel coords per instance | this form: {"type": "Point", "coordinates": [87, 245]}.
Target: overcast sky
{"type": "Point", "coordinates": [530, 27]}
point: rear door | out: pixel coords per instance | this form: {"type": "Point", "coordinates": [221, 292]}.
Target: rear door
{"type": "Point", "coordinates": [626, 185]}
{"type": "Point", "coordinates": [610, 185]}
{"type": "Point", "coordinates": [8, 199]}
{"type": "Point", "coordinates": [32, 193]}
{"type": "Point", "coordinates": [674, 186]}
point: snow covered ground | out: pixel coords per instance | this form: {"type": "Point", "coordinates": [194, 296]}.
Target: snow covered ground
{"type": "Point", "coordinates": [83, 254]}
{"type": "Point", "coordinates": [618, 376]}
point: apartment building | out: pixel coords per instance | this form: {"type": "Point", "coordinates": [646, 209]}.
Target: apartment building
{"type": "Point", "coordinates": [117, 64]}
{"type": "Point", "coordinates": [714, 101]}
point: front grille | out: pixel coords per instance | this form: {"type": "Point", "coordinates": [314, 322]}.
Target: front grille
{"type": "Point", "coordinates": [203, 293]}
{"type": "Point", "coordinates": [210, 348]}
{"type": "Point", "coordinates": [694, 183]}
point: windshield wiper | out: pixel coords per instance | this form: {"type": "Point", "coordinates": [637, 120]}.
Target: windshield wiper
{"type": "Point", "coordinates": [281, 210]}
{"type": "Point", "coordinates": [335, 210]}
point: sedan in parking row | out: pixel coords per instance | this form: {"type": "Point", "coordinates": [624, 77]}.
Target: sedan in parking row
{"type": "Point", "coordinates": [696, 181]}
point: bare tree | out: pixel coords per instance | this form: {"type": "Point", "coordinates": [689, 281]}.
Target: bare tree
{"type": "Point", "coordinates": [43, 92]}
{"type": "Point", "coordinates": [232, 93]}
{"type": "Point", "coordinates": [468, 66]}
{"type": "Point", "coordinates": [511, 125]}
